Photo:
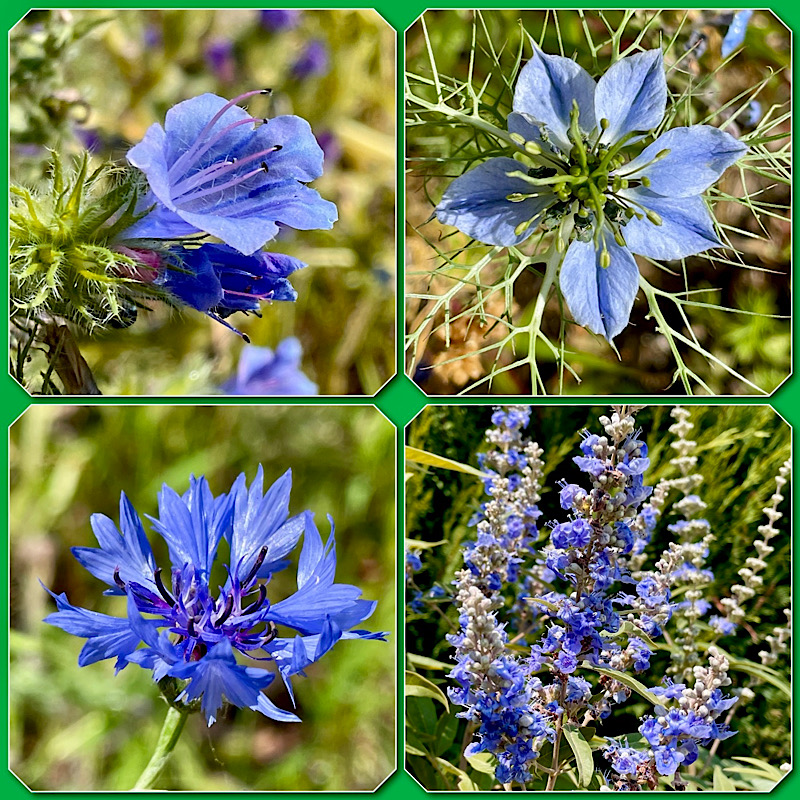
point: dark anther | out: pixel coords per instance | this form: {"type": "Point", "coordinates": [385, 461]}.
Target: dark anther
{"type": "Point", "coordinates": [264, 166]}
{"type": "Point", "coordinates": [190, 627]}
{"type": "Point", "coordinates": [262, 596]}
{"type": "Point", "coordinates": [162, 589]}
{"type": "Point", "coordinates": [272, 632]}
{"type": "Point", "coordinates": [266, 91]}
{"type": "Point", "coordinates": [118, 580]}
{"type": "Point", "coordinates": [277, 147]}
{"type": "Point", "coordinates": [226, 612]}
{"type": "Point", "coordinates": [246, 338]}
{"type": "Point", "coordinates": [256, 567]}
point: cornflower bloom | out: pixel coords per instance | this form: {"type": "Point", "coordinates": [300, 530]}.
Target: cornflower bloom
{"type": "Point", "coordinates": [189, 633]}
{"type": "Point", "coordinates": [575, 177]}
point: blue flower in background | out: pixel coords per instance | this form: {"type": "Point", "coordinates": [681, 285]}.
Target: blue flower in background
{"type": "Point", "coordinates": [265, 373]}
{"type": "Point", "coordinates": [735, 34]}
{"type": "Point", "coordinates": [218, 280]}
{"type": "Point", "coordinates": [314, 61]}
{"type": "Point", "coordinates": [191, 633]}
{"type": "Point", "coordinates": [572, 133]}
{"type": "Point", "coordinates": [215, 169]}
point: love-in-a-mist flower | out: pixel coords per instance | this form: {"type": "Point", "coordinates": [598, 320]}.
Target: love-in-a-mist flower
{"type": "Point", "coordinates": [262, 371]}
{"type": "Point", "coordinates": [181, 625]}
{"type": "Point", "coordinates": [215, 169]}
{"type": "Point", "coordinates": [573, 175]}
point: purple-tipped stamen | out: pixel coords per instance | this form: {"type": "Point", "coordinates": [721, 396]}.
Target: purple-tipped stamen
{"type": "Point", "coordinates": [120, 583]}
{"type": "Point", "coordinates": [256, 606]}
{"type": "Point", "coordinates": [213, 172]}
{"type": "Point", "coordinates": [214, 189]}
{"type": "Point", "coordinates": [191, 153]}
{"type": "Point", "coordinates": [226, 613]}
{"type": "Point", "coordinates": [162, 590]}
{"type": "Point", "coordinates": [262, 554]}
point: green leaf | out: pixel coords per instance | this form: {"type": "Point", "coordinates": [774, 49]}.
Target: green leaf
{"type": "Point", "coordinates": [583, 753]}
{"type": "Point", "coordinates": [429, 459]}
{"type": "Point", "coordinates": [413, 751]}
{"type": "Point", "coordinates": [417, 686]}
{"type": "Point", "coordinates": [722, 783]}
{"type": "Point", "coordinates": [773, 773]}
{"type": "Point", "coordinates": [427, 663]}
{"type": "Point", "coordinates": [446, 731]}
{"type": "Point", "coordinates": [482, 762]}
{"type": "Point", "coordinates": [626, 680]}
{"type": "Point", "coordinates": [414, 544]}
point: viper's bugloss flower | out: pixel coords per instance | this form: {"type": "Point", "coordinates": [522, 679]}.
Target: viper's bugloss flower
{"type": "Point", "coordinates": [575, 176]}
{"type": "Point", "coordinates": [191, 633]}
{"type": "Point", "coordinates": [264, 372]}
{"type": "Point", "coordinates": [215, 169]}
{"type": "Point", "coordinates": [219, 280]}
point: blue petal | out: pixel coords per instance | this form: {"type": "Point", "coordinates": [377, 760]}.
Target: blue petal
{"type": "Point", "coordinates": [545, 90]}
{"type": "Point", "coordinates": [476, 203]}
{"type": "Point", "coordinates": [128, 552]}
{"type": "Point", "coordinates": [106, 636]}
{"type": "Point", "coordinates": [632, 95]}
{"type": "Point", "coordinates": [687, 227]}
{"type": "Point", "coordinates": [189, 276]}
{"type": "Point", "coordinates": [599, 298]}
{"type": "Point", "coordinates": [269, 709]}
{"type": "Point", "coordinates": [525, 126]}
{"type": "Point", "coordinates": [217, 676]}
{"type": "Point", "coordinates": [736, 32]}
{"type": "Point", "coordinates": [262, 520]}
{"type": "Point", "coordinates": [697, 158]}
{"type": "Point", "coordinates": [190, 526]}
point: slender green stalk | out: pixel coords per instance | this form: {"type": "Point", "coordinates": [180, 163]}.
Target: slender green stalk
{"type": "Point", "coordinates": [553, 262]}
{"type": "Point", "coordinates": [167, 739]}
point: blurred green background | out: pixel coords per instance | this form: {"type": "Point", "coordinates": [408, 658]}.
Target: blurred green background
{"type": "Point", "coordinates": [739, 449]}
{"type": "Point", "coordinates": [78, 728]}
{"type": "Point", "coordinates": [99, 79]}
{"type": "Point", "coordinates": [754, 279]}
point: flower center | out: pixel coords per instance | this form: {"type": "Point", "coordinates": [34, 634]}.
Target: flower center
{"type": "Point", "coordinates": [588, 186]}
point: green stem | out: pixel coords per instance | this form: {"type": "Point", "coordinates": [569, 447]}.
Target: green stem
{"type": "Point", "coordinates": [553, 262]}
{"type": "Point", "coordinates": [167, 739]}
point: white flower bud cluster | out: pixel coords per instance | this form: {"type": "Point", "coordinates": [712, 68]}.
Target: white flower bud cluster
{"type": "Point", "coordinates": [621, 424]}
{"type": "Point", "coordinates": [484, 641]}
{"type": "Point", "coordinates": [685, 461]}
{"type": "Point", "coordinates": [706, 680]}
{"type": "Point", "coordinates": [778, 642]}
{"type": "Point", "coordinates": [752, 582]}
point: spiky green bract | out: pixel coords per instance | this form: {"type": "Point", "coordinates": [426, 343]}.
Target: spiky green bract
{"type": "Point", "coordinates": [61, 260]}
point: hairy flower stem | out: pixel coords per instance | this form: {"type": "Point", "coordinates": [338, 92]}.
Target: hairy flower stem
{"type": "Point", "coordinates": [167, 739]}
{"type": "Point", "coordinates": [553, 776]}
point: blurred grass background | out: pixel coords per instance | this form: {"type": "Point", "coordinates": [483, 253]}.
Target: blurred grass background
{"type": "Point", "coordinates": [755, 345]}
{"type": "Point", "coordinates": [740, 450]}
{"type": "Point", "coordinates": [75, 728]}
{"type": "Point", "coordinates": [99, 79]}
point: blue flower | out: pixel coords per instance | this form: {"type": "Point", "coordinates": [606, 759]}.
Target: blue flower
{"type": "Point", "coordinates": [215, 169]}
{"type": "Point", "coordinates": [575, 177]}
{"type": "Point", "coordinates": [280, 19]}
{"type": "Point", "coordinates": [219, 280]}
{"type": "Point", "coordinates": [313, 61]}
{"type": "Point", "coordinates": [734, 36]}
{"type": "Point", "coordinates": [193, 634]}
{"type": "Point", "coordinates": [265, 373]}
